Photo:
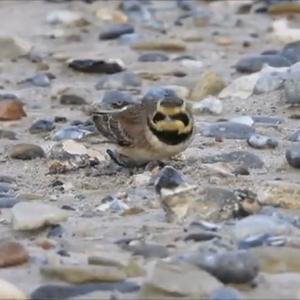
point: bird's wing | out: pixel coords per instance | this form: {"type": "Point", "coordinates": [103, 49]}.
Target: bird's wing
{"type": "Point", "coordinates": [118, 126]}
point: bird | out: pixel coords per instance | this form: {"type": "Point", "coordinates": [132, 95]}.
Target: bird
{"type": "Point", "coordinates": [159, 127]}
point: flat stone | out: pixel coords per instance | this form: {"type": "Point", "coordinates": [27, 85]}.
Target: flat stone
{"type": "Point", "coordinates": [152, 57]}
{"type": "Point", "coordinates": [170, 45]}
{"type": "Point", "coordinates": [11, 110]}
{"type": "Point", "coordinates": [292, 51]}
{"type": "Point", "coordinates": [243, 158]}
{"type": "Point", "coordinates": [259, 141]}
{"type": "Point", "coordinates": [269, 81]}
{"type": "Point", "coordinates": [34, 215]}
{"type": "Point", "coordinates": [84, 273]}
{"type": "Point", "coordinates": [150, 250]}
{"type": "Point", "coordinates": [10, 291]}
{"type": "Point", "coordinates": [293, 156]}
{"type": "Point", "coordinates": [70, 99]}
{"type": "Point", "coordinates": [7, 201]}
{"type": "Point", "coordinates": [225, 293]}
{"type": "Point", "coordinates": [177, 278]}
{"type": "Point", "coordinates": [12, 47]}
{"type": "Point", "coordinates": [41, 126]}
{"type": "Point", "coordinates": [114, 31]}
{"type": "Point", "coordinates": [228, 130]}
{"type": "Point", "coordinates": [209, 84]}
{"type": "Point", "coordinates": [97, 66]}
{"type": "Point", "coordinates": [26, 152]}
{"type": "Point", "coordinates": [7, 134]}
{"type": "Point", "coordinates": [12, 254]}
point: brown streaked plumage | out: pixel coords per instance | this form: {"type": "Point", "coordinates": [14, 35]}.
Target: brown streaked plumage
{"type": "Point", "coordinates": [148, 131]}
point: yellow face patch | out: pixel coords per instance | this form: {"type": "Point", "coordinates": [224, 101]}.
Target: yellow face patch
{"type": "Point", "coordinates": [170, 111]}
{"type": "Point", "coordinates": [173, 125]}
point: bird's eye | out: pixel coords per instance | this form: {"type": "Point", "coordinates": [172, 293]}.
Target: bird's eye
{"type": "Point", "coordinates": [182, 117]}
{"type": "Point", "coordinates": [158, 117]}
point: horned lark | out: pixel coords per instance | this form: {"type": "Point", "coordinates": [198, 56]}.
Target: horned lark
{"type": "Point", "coordinates": [152, 130]}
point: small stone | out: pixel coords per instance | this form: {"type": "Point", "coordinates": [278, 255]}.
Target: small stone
{"type": "Point", "coordinates": [153, 57]}
{"type": "Point", "coordinates": [246, 120]}
{"type": "Point", "coordinates": [115, 16]}
{"type": "Point", "coordinates": [292, 86]}
{"type": "Point", "coordinates": [12, 254]}
{"type": "Point", "coordinates": [228, 130]}
{"type": "Point", "coordinates": [210, 105]}
{"type": "Point", "coordinates": [7, 201]}
{"type": "Point", "coordinates": [40, 80]}
{"type": "Point", "coordinates": [224, 41]}
{"type": "Point", "coordinates": [269, 81]}
{"type": "Point", "coordinates": [10, 291]}
{"type": "Point", "coordinates": [34, 215]}
{"type": "Point", "coordinates": [177, 278]}
{"type": "Point", "coordinates": [94, 66]}
{"type": "Point", "coordinates": [41, 126]}
{"type": "Point", "coordinates": [259, 141]}
{"type": "Point", "coordinates": [192, 64]}
{"type": "Point", "coordinates": [280, 193]}
{"type": "Point", "coordinates": [116, 99]}
{"type": "Point", "coordinates": [13, 47]}
{"type": "Point", "coordinates": [121, 81]}
{"type": "Point", "coordinates": [294, 137]}
{"type": "Point", "coordinates": [84, 273]}
{"type": "Point", "coordinates": [254, 63]}
{"type": "Point", "coordinates": [128, 39]}
{"type": "Point", "coordinates": [150, 250]}
{"type": "Point", "coordinates": [241, 158]}
{"type": "Point", "coordinates": [293, 156]}
{"type": "Point", "coordinates": [225, 293]}
{"type": "Point", "coordinates": [26, 151]}
{"type": "Point", "coordinates": [292, 51]}
{"type": "Point", "coordinates": [7, 134]}
{"type": "Point", "coordinates": [115, 31]}
{"type": "Point", "coordinates": [70, 99]}
{"type": "Point", "coordinates": [11, 110]}
{"type": "Point", "coordinates": [209, 84]}
{"type": "Point", "coordinates": [71, 133]}
{"type": "Point", "coordinates": [66, 18]}
{"type": "Point", "coordinates": [112, 204]}
{"type": "Point", "coordinates": [171, 45]}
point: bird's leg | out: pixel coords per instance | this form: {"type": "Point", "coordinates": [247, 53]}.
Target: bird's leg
{"type": "Point", "coordinates": [114, 157]}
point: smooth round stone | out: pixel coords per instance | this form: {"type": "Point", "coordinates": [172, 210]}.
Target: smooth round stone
{"type": "Point", "coordinates": [292, 86]}
{"type": "Point", "coordinates": [262, 142]}
{"type": "Point", "coordinates": [70, 99]}
{"type": "Point", "coordinates": [225, 293]}
{"type": "Point", "coordinates": [116, 99]}
{"type": "Point", "coordinates": [295, 137]}
{"type": "Point", "coordinates": [152, 57]}
{"type": "Point", "coordinates": [293, 156]}
{"type": "Point", "coordinates": [269, 82]}
{"type": "Point", "coordinates": [41, 80]}
{"type": "Point", "coordinates": [7, 134]}
{"type": "Point", "coordinates": [115, 31]}
{"type": "Point", "coordinates": [292, 51]}
{"type": "Point", "coordinates": [12, 254]}
{"type": "Point", "coordinates": [26, 151]}
{"type": "Point", "coordinates": [41, 126]}
{"type": "Point", "coordinates": [71, 133]}
{"type": "Point", "coordinates": [228, 130]}
{"type": "Point", "coordinates": [254, 63]}
{"type": "Point", "coordinates": [130, 38]}
{"type": "Point", "coordinates": [168, 178]}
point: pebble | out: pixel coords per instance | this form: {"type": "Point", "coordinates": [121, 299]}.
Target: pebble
{"type": "Point", "coordinates": [294, 137]}
{"type": "Point", "coordinates": [225, 293]}
{"type": "Point", "coordinates": [40, 80]}
{"type": "Point", "coordinates": [97, 66]}
{"type": "Point", "coordinates": [123, 80]}
{"type": "Point", "coordinates": [130, 38]}
{"type": "Point", "coordinates": [10, 291]}
{"type": "Point", "coordinates": [177, 278]}
{"type": "Point", "coordinates": [228, 130]}
{"type": "Point", "coordinates": [292, 51]}
{"type": "Point", "coordinates": [116, 99]}
{"type": "Point", "coordinates": [7, 134]}
{"type": "Point", "coordinates": [269, 81]}
{"type": "Point", "coordinates": [244, 158]}
{"type": "Point", "coordinates": [150, 250]}
{"type": "Point", "coordinates": [71, 133]}
{"type": "Point", "coordinates": [293, 156]}
{"type": "Point", "coordinates": [12, 254]}
{"type": "Point", "coordinates": [26, 151]}
{"type": "Point", "coordinates": [115, 31]}
{"type": "Point", "coordinates": [66, 18]}
{"type": "Point", "coordinates": [192, 64]}
{"type": "Point", "coordinates": [112, 204]}
{"type": "Point", "coordinates": [210, 105]}
{"type": "Point", "coordinates": [259, 141]}
{"type": "Point", "coordinates": [34, 215]}
{"type": "Point", "coordinates": [239, 266]}
{"type": "Point", "coordinates": [52, 292]}
{"type": "Point", "coordinates": [209, 84]}
{"type": "Point", "coordinates": [254, 63]}
{"type": "Point", "coordinates": [153, 57]}
{"type": "Point", "coordinates": [246, 120]}
{"type": "Point", "coordinates": [41, 126]}
{"type": "Point", "coordinates": [13, 47]}
{"type": "Point", "coordinates": [11, 110]}
{"type": "Point", "coordinates": [7, 201]}
{"type": "Point", "coordinates": [292, 86]}
{"type": "Point", "coordinates": [70, 99]}
{"type": "Point", "coordinates": [84, 273]}
{"type": "Point", "coordinates": [158, 44]}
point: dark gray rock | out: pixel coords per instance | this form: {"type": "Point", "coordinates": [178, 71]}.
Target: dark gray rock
{"type": "Point", "coordinates": [122, 81]}
{"type": "Point", "coordinates": [292, 51]}
{"type": "Point", "coordinates": [4, 187]}
{"type": "Point", "coordinates": [7, 201]}
{"type": "Point", "coordinates": [242, 158]}
{"type": "Point", "coordinates": [295, 137]}
{"type": "Point", "coordinates": [26, 151]}
{"type": "Point", "coordinates": [116, 99]}
{"type": "Point", "coordinates": [149, 250]}
{"type": "Point", "coordinates": [259, 141]}
{"type": "Point", "coordinates": [293, 156]}
{"type": "Point", "coordinates": [228, 130]}
{"type": "Point", "coordinates": [41, 126]}
{"type": "Point", "coordinates": [7, 134]}
{"type": "Point", "coordinates": [152, 57]}
{"type": "Point", "coordinates": [115, 31]}
{"type": "Point", "coordinates": [254, 63]}
{"type": "Point", "coordinates": [70, 99]}
{"type": "Point", "coordinates": [96, 66]}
